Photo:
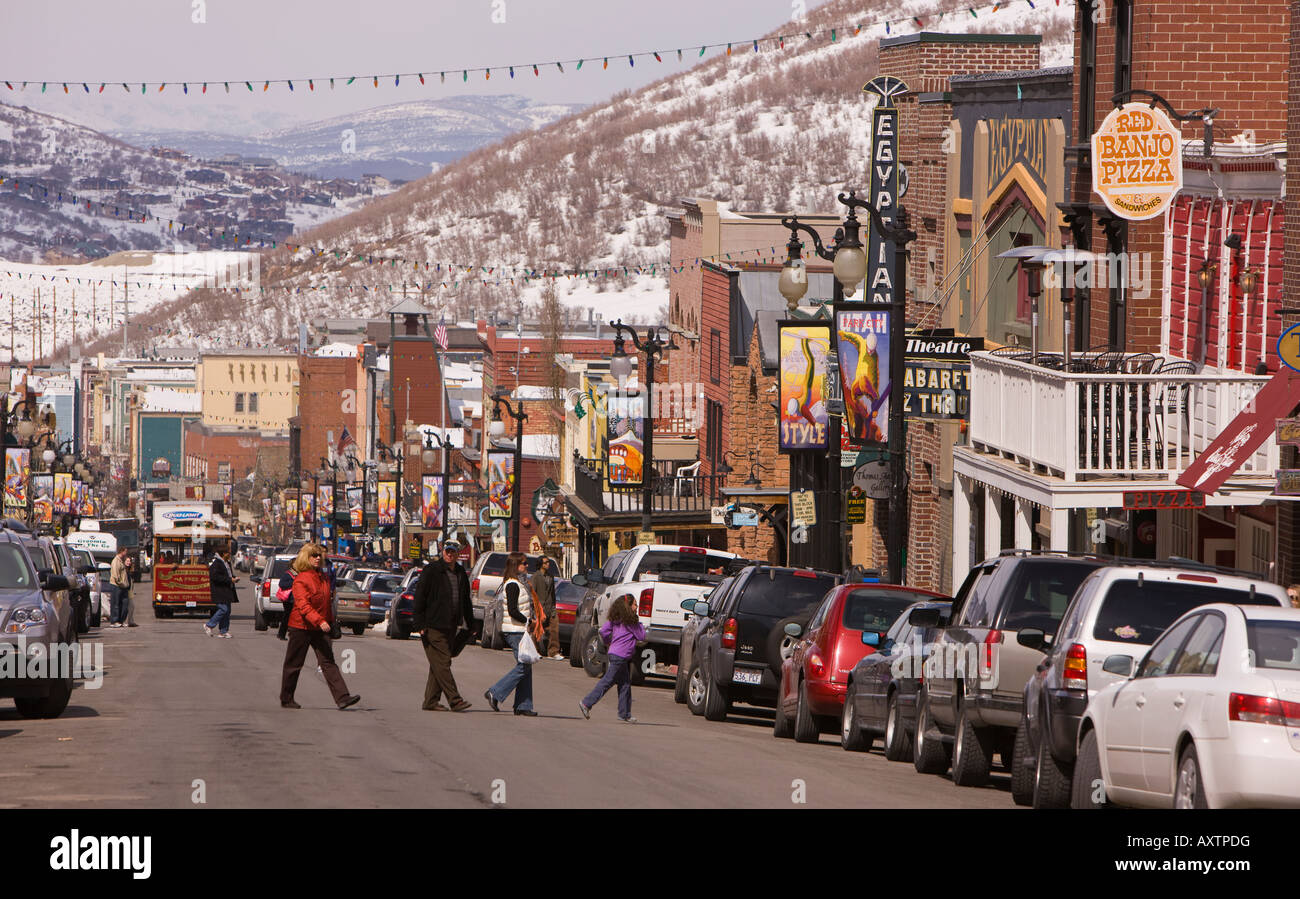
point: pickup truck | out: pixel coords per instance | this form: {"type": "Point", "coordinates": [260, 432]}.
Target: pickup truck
{"type": "Point", "coordinates": [659, 578]}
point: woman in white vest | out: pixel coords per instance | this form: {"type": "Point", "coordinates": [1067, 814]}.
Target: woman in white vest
{"type": "Point", "coordinates": [517, 619]}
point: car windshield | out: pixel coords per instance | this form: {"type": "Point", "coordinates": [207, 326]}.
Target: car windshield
{"type": "Point", "coordinates": [660, 561]}
{"type": "Point", "coordinates": [1041, 591]}
{"type": "Point", "coordinates": [1139, 611]}
{"type": "Point", "coordinates": [15, 574]}
{"type": "Point", "coordinates": [873, 609]}
{"type": "Point", "coordinates": [495, 564]}
{"type": "Point", "coordinates": [1274, 644]}
{"type": "Point", "coordinates": [783, 595]}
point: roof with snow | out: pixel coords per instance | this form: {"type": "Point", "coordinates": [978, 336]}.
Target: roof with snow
{"type": "Point", "coordinates": [408, 307]}
{"type": "Point", "coordinates": [167, 399]}
{"type": "Point", "coordinates": [339, 350]}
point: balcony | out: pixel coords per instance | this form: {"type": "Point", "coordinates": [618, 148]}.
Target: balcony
{"type": "Point", "coordinates": [1083, 426]}
{"type": "Point", "coordinates": [690, 495]}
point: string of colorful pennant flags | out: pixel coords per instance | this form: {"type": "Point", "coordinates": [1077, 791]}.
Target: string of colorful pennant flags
{"type": "Point", "coordinates": [831, 33]}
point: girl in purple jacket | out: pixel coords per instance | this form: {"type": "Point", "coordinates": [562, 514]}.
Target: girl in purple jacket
{"type": "Point", "coordinates": [621, 632]}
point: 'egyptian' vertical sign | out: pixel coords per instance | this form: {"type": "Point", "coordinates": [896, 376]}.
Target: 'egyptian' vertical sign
{"type": "Point", "coordinates": [884, 187]}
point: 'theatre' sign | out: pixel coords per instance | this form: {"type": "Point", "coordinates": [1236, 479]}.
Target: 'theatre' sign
{"type": "Point", "coordinates": [1137, 161]}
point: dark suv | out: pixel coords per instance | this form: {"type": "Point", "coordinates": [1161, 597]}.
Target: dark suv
{"type": "Point", "coordinates": [972, 700]}
{"type": "Point", "coordinates": [738, 646]}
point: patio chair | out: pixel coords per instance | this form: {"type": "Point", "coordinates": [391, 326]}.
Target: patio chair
{"type": "Point", "coordinates": [1109, 362]}
{"type": "Point", "coordinates": [685, 477]}
{"type": "Point", "coordinates": [1139, 364]}
{"type": "Point", "coordinates": [1173, 397]}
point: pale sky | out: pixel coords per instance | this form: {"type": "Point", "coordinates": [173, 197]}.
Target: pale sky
{"type": "Point", "coordinates": [159, 40]}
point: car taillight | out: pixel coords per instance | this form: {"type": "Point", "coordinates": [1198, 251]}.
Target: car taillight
{"type": "Point", "coordinates": [1263, 710]}
{"type": "Point", "coordinates": [693, 550]}
{"type": "Point", "coordinates": [409, 597]}
{"type": "Point", "coordinates": [266, 588]}
{"type": "Point", "coordinates": [805, 573]}
{"type": "Point", "coordinates": [645, 605]}
{"type": "Point", "coordinates": [991, 639]}
{"type": "Point", "coordinates": [1075, 674]}
{"type": "Point", "coordinates": [473, 588]}
{"type": "Point", "coordinates": [729, 631]}
{"type": "Point", "coordinates": [816, 665]}
{"type": "Point", "coordinates": [370, 599]}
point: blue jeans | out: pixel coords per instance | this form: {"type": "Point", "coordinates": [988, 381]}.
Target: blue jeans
{"type": "Point", "coordinates": [519, 679]}
{"type": "Point", "coordinates": [117, 604]}
{"type": "Point", "coordinates": [616, 672]}
{"type": "Point", "coordinates": [221, 617]}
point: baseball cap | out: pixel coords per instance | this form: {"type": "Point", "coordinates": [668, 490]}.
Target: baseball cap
{"type": "Point", "coordinates": [451, 544]}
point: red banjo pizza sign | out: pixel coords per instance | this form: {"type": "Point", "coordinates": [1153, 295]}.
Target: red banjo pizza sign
{"type": "Point", "coordinates": [1137, 161]}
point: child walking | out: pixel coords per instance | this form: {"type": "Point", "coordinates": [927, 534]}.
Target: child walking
{"type": "Point", "coordinates": [621, 632]}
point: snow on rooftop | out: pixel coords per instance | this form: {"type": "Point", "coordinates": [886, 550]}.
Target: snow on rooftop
{"type": "Point", "coordinates": [541, 446]}
{"type": "Point", "coordinates": [160, 374]}
{"type": "Point", "coordinates": [168, 399]}
{"type": "Point", "coordinates": [337, 350]}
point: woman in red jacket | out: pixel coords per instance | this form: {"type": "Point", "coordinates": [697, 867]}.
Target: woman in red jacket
{"type": "Point", "coordinates": [309, 625]}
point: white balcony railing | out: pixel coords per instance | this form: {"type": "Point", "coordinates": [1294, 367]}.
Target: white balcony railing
{"type": "Point", "coordinates": [1081, 426]}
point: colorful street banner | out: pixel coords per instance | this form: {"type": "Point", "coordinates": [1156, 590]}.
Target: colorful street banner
{"type": "Point", "coordinates": [308, 507]}
{"type": "Point", "coordinates": [63, 492]}
{"type": "Point", "coordinates": [356, 510]}
{"type": "Point", "coordinates": [266, 507]}
{"type": "Point", "coordinates": [386, 503]}
{"type": "Point", "coordinates": [325, 502]}
{"type": "Point", "coordinates": [18, 471]}
{"type": "Point", "coordinates": [227, 497]}
{"type": "Point", "coordinates": [862, 337]}
{"type": "Point", "coordinates": [625, 429]}
{"type": "Point", "coordinates": [501, 483]}
{"type": "Point", "coordinates": [804, 423]}
{"type": "Point", "coordinates": [43, 498]}
{"type": "Point", "coordinates": [431, 500]}
{"type": "Point", "coordinates": [291, 508]}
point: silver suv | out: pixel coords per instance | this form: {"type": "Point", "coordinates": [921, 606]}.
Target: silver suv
{"type": "Point", "coordinates": [36, 619]}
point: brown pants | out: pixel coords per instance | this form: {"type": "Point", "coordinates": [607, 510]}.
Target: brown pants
{"type": "Point", "coordinates": [296, 653]}
{"type": "Point", "coordinates": [553, 634]}
{"type": "Point", "coordinates": [437, 648]}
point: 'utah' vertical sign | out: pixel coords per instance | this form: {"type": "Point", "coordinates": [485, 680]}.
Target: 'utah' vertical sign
{"type": "Point", "coordinates": [884, 186]}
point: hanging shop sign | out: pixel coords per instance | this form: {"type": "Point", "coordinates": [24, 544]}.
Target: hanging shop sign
{"type": "Point", "coordinates": [936, 384]}
{"type": "Point", "coordinates": [501, 483]}
{"type": "Point", "coordinates": [804, 423]}
{"type": "Point", "coordinates": [1288, 432]}
{"type": "Point", "coordinates": [872, 479]}
{"type": "Point", "coordinates": [625, 430]}
{"type": "Point", "coordinates": [885, 187]}
{"type": "Point", "coordinates": [856, 508]}
{"type": "Point", "coordinates": [1288, 347]}
{"type": "Point", "coordinates": [1137, 162]}
{"type": "Point", "coordinates": [862, 339]}
{"type": "Point", "coordinates": [1288, 482]}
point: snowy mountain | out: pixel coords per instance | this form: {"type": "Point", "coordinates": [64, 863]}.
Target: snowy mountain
{"type": "Point", "coordinates": [780, 129]}
{"type": "Point", "coordinates": [399, 141]}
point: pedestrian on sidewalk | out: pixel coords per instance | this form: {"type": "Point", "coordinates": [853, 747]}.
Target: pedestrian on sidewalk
{"type": "Point", "coordinates": [543, 585]}
{"type": "Point", "coordinates": [621, 632]}
{"type": "Point", "coordinates": [221, 584]}
{"type": "Point", "coordinates": [441, 606]}
{"type": "Point", "coordinates": [119, 582]}
{"type": "Point", "coordinates": [309, 626]}
{"type": "Point", "coordinates": [520, 615]}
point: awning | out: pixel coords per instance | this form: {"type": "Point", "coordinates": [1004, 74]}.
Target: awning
{"type": "Point", "coordinates": [1244, 434]}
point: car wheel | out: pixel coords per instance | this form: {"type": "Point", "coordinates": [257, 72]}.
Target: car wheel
{"type": "Point", "coordinates": [575, 648]}
{"type": "Point", "coordinates": [679, 686]}
{"type": "Point", "coordinates": [898, 747]}
{"type": "Point", "coordinates": [782, 726]}
{"type": "Point", "coordinates": [358, 630]}
{"type": "Point", "coordinates": [851, 737]}
{"type": "Point", "coordinates": [715, 704]}
{"type": "Point", "coordinates": [1022, 773]}
{"type": "Point", "coordinates": [403, 633]}
{"type": "Point", "coordinates": [96, 613]}
{"type": "Point", "coordinates": [388, 629]}
{"type": "Point", "coordinates": [970, 753]}
{"type": "Point", "coordinates": [1052, 781]}
{"type": "Point", "coordinates": [1189, 792]}
{"type": "Point", "coordinates": [780, 645]}
{"type": "Point", "coordinates": [805, 726]}
{"type": "Point", "coordinates": [592, 663]}
{"type": "Point", "coordinates": [695, 690]}
{"type": "Point", "coordinates": [1088, 789]}
{"type": "Point", "coordinates": [930, 755]}
{"type": "Point", "coordinates": [259, 619]}
{"type": "Point", "coordinates": [52, 704]}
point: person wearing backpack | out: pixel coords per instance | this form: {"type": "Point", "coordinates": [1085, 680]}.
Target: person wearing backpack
{"type": "Point", "coordinates": [621, 632]}
{"type": "Point", "coordinates": [520, 617]}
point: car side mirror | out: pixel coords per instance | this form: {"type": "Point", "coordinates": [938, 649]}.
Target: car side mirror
{"type": "Point", "coordinates": [870, 638]}
{"type": "Point", "coordinates": [87, 569]}
{"type": "Point", "coordinates": [56, 582]}
{"type": "Point", "coordinates": [793, 629]}
{"type": "Point", "coordinates": [924, 618]}
{"type": "Point", "coordinates": [1032, 637]}
{"type": "Point", "coordinates": [579, 580]}
{"type": "Point", "coordinates": [701, 609]}
{"type": "Point", "coordinates": [1118, 664]}
{"type": "Point", "coordinates": [688, 605]}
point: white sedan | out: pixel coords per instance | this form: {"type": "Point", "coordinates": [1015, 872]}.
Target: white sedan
{"type": "Point", "coordinates": [1210, 719]}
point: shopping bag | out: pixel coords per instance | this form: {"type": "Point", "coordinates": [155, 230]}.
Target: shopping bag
{"type": "Point", "coordinates": [528, 653]}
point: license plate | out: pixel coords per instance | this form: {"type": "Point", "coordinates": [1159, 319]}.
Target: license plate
{"type": "Point", "coordinates": [747, 676]}
{"type": "Point", "coordinates": [191, 604]}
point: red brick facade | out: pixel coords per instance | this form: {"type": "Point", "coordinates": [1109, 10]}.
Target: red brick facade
{"type": "Point", "coordinates": [209, 448]}
{"type": "Point", "coordinates": [325, 404]}
{"type": "Point", "coordinates": [754, 427]}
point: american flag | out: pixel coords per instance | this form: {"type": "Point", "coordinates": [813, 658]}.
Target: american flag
{"type": "Point", "coordinates": [440, 335]}
{"type": "Point", "coordinates": [345, 440]}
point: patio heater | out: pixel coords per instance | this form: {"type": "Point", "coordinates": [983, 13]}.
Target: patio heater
{"type": "Point", "coordinates": [1034, 260]}
{"type": "Point", "coordinates": [1033, 270]}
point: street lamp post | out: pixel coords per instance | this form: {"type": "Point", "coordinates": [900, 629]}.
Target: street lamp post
{"type": "Point", "coordinates": [620, 367]}
{"type": "Point", "coordinates": [496, 430]}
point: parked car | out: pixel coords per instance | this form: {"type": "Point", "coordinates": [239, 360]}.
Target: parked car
{"type": "Point", "coordinates": [351, 607]}
{"type": "Point", "coordinates": [80, 589]}
{"type": "Point", "coordinates": [261, 558]}
{"type": "Point", "coordinates": [266, 608]}
{"type": "Point", "coordinates": [382, 589]}
{"type": "Point", "coordinates": [485, 578]}
{"type": "Point", "coordinates": [85, 564]}
{"type": "Point", "coordinates": [359, 575]}
{"type": "Point", "coordinates": [1211, 719]}
{"type": "Point", "coordinates": [568, 596]}
{"type": "Point", "coordinates": [691, 625]}
{"type": "Point", "coordinates": [1118, 611]}
{"type": "Point", "coordinates": [883, 686]}
{"type": "Point", "coordinates": [814, 676]}
{"type": "Point", "coordinates": [972, 701]}
{"type": "Point", "coordinates": [35, 610]}
{"type": "Point", "coordinates": [737, 654]}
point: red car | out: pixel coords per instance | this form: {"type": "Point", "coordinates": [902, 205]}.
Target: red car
{"type": "Point", "coordinates": [816, 665]}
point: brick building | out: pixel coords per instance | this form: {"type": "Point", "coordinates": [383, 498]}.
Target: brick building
{"type": "Point", "coordinates": [227, 454]}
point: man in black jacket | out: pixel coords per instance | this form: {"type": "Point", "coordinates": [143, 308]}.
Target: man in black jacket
{"type": "Point", "coordinates": [442, 604]}
{"type": "Point", "coordinates": [221, 584]}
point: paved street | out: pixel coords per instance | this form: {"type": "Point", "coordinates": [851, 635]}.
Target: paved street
{"type": "Point", "coordinates": [176, 707]}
